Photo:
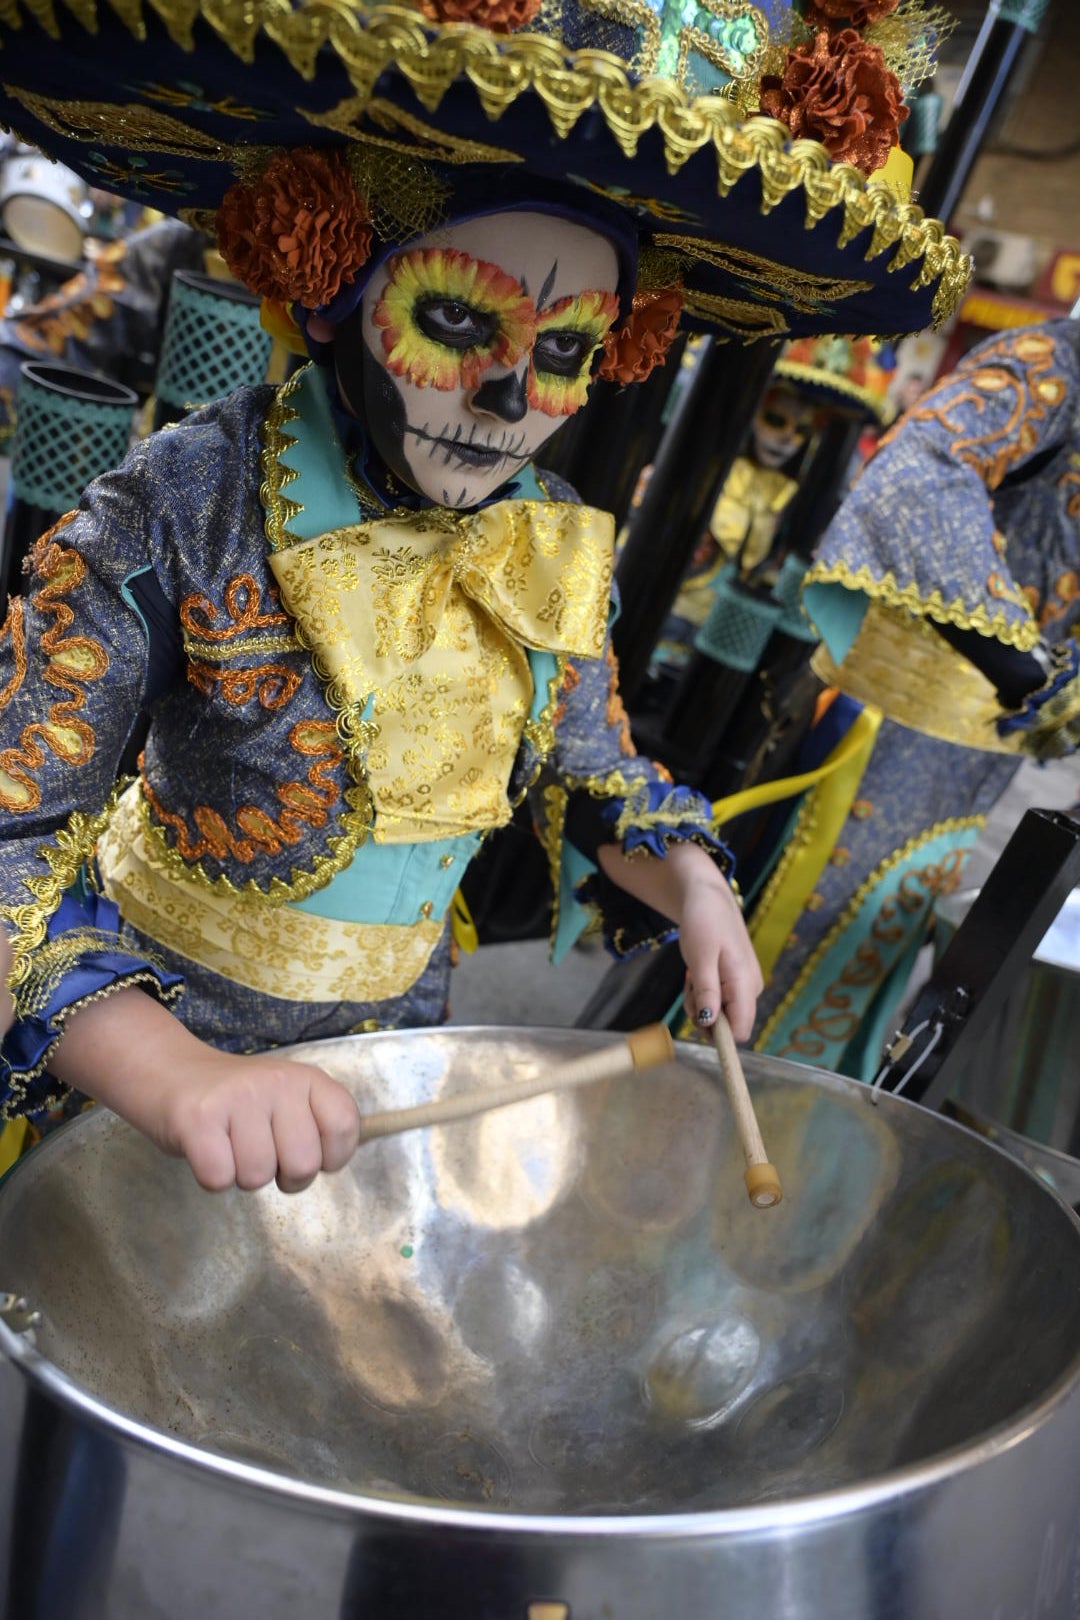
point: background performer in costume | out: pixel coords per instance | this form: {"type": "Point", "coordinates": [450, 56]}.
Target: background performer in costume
{"type": "Point", "coordinates": [947, 591]}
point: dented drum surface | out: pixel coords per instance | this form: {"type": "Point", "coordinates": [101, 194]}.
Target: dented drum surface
{"type": "Point", "coordinates": [547, 1364]}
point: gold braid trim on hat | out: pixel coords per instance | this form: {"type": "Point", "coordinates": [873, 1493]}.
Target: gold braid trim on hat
{"type": "Point", "coordinates": [502, 68]}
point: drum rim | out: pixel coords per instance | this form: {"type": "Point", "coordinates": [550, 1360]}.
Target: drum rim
{"type": "Point", "coordinates": [816, 1508]}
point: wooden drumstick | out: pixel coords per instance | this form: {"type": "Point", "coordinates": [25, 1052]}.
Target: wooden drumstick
{"type": "Point", "coordinates": [641, 1049]}
{"type": "Point", "coordinates": [762, 1181]}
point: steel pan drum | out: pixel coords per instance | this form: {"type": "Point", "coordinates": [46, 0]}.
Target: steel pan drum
{"type": "Point", "coordinates": [548, 1364]}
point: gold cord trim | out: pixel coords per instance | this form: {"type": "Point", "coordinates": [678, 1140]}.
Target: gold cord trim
{"type": "Point", "coordinates": [556, 799]}
{"type": "Point", "coordinates": [851, 911]}
{"type": "Point", "coordinates": [206, 652]}
{"type": "Point", "coordinates": [502, 68]}
{"type": "Point", "coordinates": [887, 589]}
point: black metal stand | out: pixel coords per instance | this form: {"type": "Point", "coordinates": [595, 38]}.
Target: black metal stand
{"type": "Point", "coordinates": [1034, 875]}
{"type": "Point", "coordinates": [989, 68]}
{"type": "Point", "coordinates": [703, 438]}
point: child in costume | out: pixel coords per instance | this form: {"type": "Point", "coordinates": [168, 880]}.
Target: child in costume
{"type": "Point", "coordinates": [947, 591]}
{"type": "Point", "coordinates": [363, 623]}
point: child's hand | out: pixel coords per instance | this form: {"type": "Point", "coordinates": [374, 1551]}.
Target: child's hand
{"type": "Point", "coordinates": [721, 967]}
{"type": "Point", "coordinates": [252, 1120]}
{"type": "Point", "coordinates": [242, 1121]}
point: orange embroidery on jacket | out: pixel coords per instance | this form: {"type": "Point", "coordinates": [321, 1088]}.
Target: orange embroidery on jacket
{"type": "Point", "coordinates": [1033, 395]}
{"type": "Point", "coordinates": [616, 714]}
{"type": "Point", "coordinates": [74, 661]}
{"type": "Point", "coordinates": [243, 598]}
{"type": "Point", "coordinates": [570, 682]}
{"type": "Point", "coordinates": [304, 804]}
{"type": "Point", "coordinates": [273, 684]}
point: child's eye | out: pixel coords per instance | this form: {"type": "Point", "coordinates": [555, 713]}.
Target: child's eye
{"type": "Point", "coordinates": [454, 324]}
{"type": "Point", "coordinates": [561, 352]}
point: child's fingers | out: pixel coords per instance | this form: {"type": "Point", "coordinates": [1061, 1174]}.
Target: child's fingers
{"type": "Point", "coordinates": [209, 1152]}
{"type": "Point", "coordinates": [741, 986]}
{"type": "Point", "coordinates": [297, 1141]}
{"type": "Point", "coordinates": [254, 1149]}
{"type": "Point", "coordinates": [337, 1118]}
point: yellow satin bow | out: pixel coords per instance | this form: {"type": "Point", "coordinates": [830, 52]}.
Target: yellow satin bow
{"type": "Point", "coordinates": [419, 621]}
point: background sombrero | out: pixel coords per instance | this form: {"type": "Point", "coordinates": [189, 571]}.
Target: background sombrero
{"type": "Point", "coordinates": [172, 102]}
{"type": "Point", "coordinates": [846, 371]}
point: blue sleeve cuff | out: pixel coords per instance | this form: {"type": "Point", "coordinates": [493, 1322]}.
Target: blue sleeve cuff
{"type": "Point", "coordinates": [80, 959]}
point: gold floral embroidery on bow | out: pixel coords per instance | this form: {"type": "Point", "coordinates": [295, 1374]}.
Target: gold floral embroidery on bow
{"type": "Point", "coordinates": [422, 626]}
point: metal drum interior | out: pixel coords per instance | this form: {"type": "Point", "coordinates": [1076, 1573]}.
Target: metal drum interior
{"type": "Point", "coordinates": [563, 1320]}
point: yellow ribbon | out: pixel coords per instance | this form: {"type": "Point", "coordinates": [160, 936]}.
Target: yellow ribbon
{"type": "Point", "coordinates": [419, 621]}
{"type": "Point", "coordinates": [830, 790]}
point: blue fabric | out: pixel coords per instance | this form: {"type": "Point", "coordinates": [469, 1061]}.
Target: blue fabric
{"type": "Point", "coordinates": [1027, 715]}
{"type": "Point", "coordinates": [103, 965]}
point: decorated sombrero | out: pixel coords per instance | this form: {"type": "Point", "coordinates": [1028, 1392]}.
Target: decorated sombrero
{"type": "Point", "coordinates": [751, 151]}
{"type": "Point", "coordinates": [847, 371]}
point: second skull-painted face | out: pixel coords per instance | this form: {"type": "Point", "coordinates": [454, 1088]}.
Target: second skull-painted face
{"type": "Point", "coordinates": [782, 424]}
{"type": "Point", "coordinates": [473, 344]}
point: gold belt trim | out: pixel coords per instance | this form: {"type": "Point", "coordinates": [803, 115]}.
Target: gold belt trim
{"type": "Point", "coordinates": [275, 949]}
{"type": "Point", "coordinates": [902, 666]}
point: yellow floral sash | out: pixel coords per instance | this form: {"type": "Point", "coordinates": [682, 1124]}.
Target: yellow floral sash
{"type": "Point", "coordinates": [279, 950]}
{"type": "Point", "coordinates": [418, 622]}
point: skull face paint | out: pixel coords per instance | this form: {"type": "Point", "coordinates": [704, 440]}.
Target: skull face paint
{"type": "Point", "coordinates": [782, 424]}
{"type": "Point", "coordinates": [471, 345]}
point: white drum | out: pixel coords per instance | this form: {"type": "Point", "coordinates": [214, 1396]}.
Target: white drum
{"type": "Point", "coordinates": [44, 208]}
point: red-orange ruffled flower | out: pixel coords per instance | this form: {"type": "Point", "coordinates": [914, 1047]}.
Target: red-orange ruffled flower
{"type": "Point", "coordinates": [855, 13]}
{"type": "Point", "coordinates": [300, 232]}
{"type": "Point", "coordinates": [838, 91]}
{"type": "Point", "coordinates": [643, 340]}
{"type": "Point", "coordinates": [500, 16]}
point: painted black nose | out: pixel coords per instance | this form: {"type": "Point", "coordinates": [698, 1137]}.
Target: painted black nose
{"type": "Point", "coordinates": [503, 397]}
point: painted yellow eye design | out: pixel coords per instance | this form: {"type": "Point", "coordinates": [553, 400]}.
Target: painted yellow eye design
{"type": "Point", "coordinates": [445, 318]}
{"type": "Point", "coordinates": [567, 337]}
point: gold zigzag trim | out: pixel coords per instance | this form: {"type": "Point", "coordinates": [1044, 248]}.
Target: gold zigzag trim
{"type": "Point", "coordinates": [851, 911]}
{"type": "Point", "coordinates": [886, 588]}
{"type": "Point", "coordinates": [501, 68]}
{"type": "Point", "coordinates": [72, 845]}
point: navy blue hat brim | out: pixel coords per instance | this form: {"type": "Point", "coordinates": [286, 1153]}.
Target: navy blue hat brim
{"type": "Point", "coordinates": [768, 238]}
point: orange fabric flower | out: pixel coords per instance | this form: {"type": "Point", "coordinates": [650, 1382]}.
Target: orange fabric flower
{"type": "Point", "coordinates": [500, 16]}
{"type": "Point", "coordinates": [298, 233]}
{"type": "Point", "coordinates": [643, 340]}
{"type": "Point", "coordinates": [856, 13]}
{"type": "Point", "coordinates": [838, 91]}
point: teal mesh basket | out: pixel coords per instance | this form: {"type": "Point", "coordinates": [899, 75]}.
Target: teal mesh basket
{"type": "Point", "coordinates": [738, 625]}
{"type": "Point", "coordinates": [213, 343]}
{"type": "Point", "coordinates": [71, 426]}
